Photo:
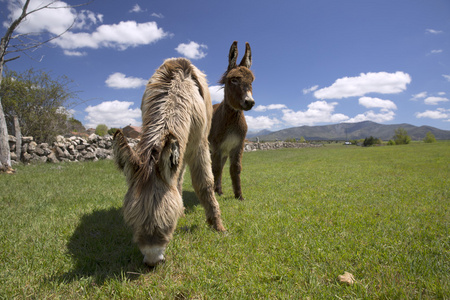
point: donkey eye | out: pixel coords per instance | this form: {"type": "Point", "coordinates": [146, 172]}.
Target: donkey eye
{"type": "Point", "coordinates": [234, 81]}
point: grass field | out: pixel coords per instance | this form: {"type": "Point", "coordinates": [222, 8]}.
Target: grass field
{"type": "Point", "coordinates": [380, 213]}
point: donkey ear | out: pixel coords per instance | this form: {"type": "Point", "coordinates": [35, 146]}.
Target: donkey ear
{"type": "Point", "coordinates": [247, 59]}
{"type": "Point", "coordinates": [232, 57]}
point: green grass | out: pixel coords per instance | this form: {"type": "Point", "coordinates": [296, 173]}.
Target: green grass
{"type": "Point", "coordinates": [309, 215]}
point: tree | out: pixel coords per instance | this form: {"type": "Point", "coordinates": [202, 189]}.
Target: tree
{"type": "Point", "coordinates": [401, 136]}
{"type": "Point", "coordinates": [113, 130]}
{"type": "Point", "coordinates": [38, 101]}
{"type": "Point", "coordinates": [429, 138]}
{"type": "Point", "coordinates": [12, 43]}
{"type": "Point", "coordinates": [101, 130]}
{"type": "Point", "coordinates": [75, 126]}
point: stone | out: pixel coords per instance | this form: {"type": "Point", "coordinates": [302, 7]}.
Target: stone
{"type": "Point", "coordinates": [347, 278]}
{"type": "Point", "coordinates": [59, 152]}
{"type": "Point", "coordinates": [32, 147]}
{"type": "Point", "coordinates": [39, 151]}
{"type": "Point", "coordinates": [38, 159]}
{"type": "Point", "coordinates": [52, 158]}
{"type": "Point", "coordinates": [27, 139]}
{"type": "Point", "coordinates": [26, 157]}
{"type": "Point", "coordinates": [93, 138]}
{"type": "Point", "coordinates": [89, 156]}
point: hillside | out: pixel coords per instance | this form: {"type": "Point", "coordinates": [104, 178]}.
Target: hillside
{"type": "Point", "coordinates": [350, 131]}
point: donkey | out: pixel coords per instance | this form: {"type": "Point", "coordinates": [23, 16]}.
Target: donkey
{"type": "Point", "coordinates": [176, 116]}
{"type": "Point", "coordinates": [228, 128]}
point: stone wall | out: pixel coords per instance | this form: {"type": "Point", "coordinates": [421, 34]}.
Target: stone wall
{"type": "Point", "coordinates": [96, 147]}
{"type": "Point", "coordinates": [64, 149]}
{"type": "Point", "coordinates": [276, 145]}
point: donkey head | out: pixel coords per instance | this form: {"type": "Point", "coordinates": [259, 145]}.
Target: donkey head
{"type": "Point", "coordinates": [238, 80]}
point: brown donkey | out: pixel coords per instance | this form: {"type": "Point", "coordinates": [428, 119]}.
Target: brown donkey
{"type": "Point", "coordinates": [176, 116]}
{"type": "Point", "coordinates": [228, 128]}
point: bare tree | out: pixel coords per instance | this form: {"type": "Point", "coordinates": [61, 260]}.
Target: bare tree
{"type": "Point", "coordinates": [12, 43]}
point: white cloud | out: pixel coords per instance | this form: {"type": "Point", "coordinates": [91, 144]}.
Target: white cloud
{"type": "Point", "coordinates": [119, 36]}
{"type": "Point", "coordinates": [55, 19]}
{"type": "Point", "coordinates": [383, 116]}
{"type": "Point", "coordinates": [309, 90]}
{"type": "Point", "coordinates": [381, 82]}
{"type": "Point", "coordinates": [433, 31]}
{"type": "Point", "coordinates": [74, 53]}
{"type": "Point", "coordinates": [136, 9]}
{"type": "Point", "coordinates": [440, 113]}
{"type": "Point", "coordinates": [262, 108]}
{"type": "Point", "coordinates": [160, 16]}
{"type": "Point", "coordinates": [435, 100]}
{"type": "Point", "coordinates": [436, 51]}
{"type": "Point", "coordinates": [216, 92]}
{"type": "Point", "coordinates": [59, 17]}
{"type": "Point", "coordinates": [419, 96]}
{"type": "Point", "coordinates": [369, 102]}
{"type": "Point", "coordinates": [261, 122]}
{"type": "Point", "coordinates": [120, 81]}
{"type": "Point", "coordinates": [192, 50]}
{"type": "Point", "coordinates": [317, 112]}
{"type": "Point", "coordinates": [113, 114]}
{"type": "Point", "coordinates": [446, 77]}
{"type": "Point", "coordinates": [50, 20]}
{"type": "Point", "coordinates": [85, 19]}
{"type": "Point", "coordinates": [441, 93]}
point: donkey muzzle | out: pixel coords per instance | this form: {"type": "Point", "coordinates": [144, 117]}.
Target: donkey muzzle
{"type": "Point", "coordinates": [248, 102]}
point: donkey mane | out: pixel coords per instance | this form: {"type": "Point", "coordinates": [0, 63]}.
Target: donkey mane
{"type": "Point", "coordinates": [157, 106]}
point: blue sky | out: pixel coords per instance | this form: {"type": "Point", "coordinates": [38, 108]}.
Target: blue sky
{"type": "Point", "coordinates": [316, 62]}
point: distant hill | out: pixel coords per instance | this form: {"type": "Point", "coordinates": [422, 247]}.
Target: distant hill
{"type": "Point", "coordinates": [350, 131]}
{"type": "Point", "coordinates": [258, 133]}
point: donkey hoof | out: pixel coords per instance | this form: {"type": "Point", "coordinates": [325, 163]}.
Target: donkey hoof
{"type": "Point", "coordinates": [240, 197]}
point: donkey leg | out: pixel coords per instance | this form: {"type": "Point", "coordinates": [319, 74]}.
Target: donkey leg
{"type": "Point", "coordinates": [203, 183]}
{"type": "Point", "coordinates": [217, 168]}
{"type": "Point", "coordinates": [235, 171]}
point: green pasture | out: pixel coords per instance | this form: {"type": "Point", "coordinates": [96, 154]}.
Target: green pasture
{"type": "Point", "coordinates": [309, 215]}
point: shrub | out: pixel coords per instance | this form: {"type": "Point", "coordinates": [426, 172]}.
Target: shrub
{"type": "Point", "coordinates": [101, 130]}
{"type": "Point", "coordinates": [111, 131]}
{"type": "Point", "coordinates": [401, 137]}
{"type": "Point", "coordinates": [391, 143]}
{"type": "Point", "coordinates": [429, 138]}
{"type": "Point", "coordinates": [371, 141]}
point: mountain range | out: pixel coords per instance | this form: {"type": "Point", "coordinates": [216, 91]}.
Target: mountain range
{"type": "Point", "coordinates": [348, 131]}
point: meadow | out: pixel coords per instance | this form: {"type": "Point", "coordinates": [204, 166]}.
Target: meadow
{"type": "Point", "coordinates": [309, 215]}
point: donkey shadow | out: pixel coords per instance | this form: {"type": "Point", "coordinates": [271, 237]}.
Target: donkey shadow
{"type": "Point", "coordinates": [102, 246]}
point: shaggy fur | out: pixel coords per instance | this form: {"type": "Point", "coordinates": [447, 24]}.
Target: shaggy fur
{"type": "Point", "coordinates": [176, 115]}
{"type": "Point", "coordinates": [229, 128]}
